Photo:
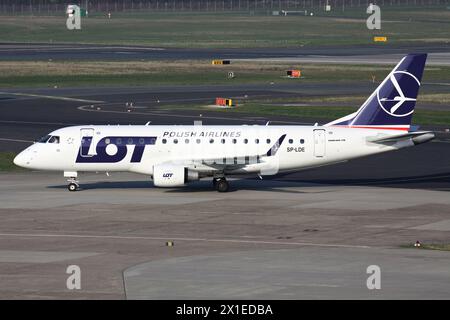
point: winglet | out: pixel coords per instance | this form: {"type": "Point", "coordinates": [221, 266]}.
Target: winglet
{"type": "Point", "coordinates": [272, 151]}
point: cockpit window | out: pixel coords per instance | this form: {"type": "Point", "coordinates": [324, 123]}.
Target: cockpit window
{"type": "Point", "coordinates": [53, 139]}
{"type": "Point", "coordinates": [49, 139]}
{"type": "Point", "coordinates": [44, 139]}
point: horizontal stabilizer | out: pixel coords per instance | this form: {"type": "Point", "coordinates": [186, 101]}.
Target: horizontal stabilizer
{"type": "Point", "coordinates": [417, 137]}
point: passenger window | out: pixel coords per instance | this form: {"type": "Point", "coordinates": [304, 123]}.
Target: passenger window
{"type": "Point", "coordinates": [223, 141]}
{"type": "Point", "coordinates": [291, 141]}
{"type": "Point", "coordinates": [164, 141]}
{"type": "Point", "coordinates": [54, 139]}
{"type": "Point", "coordinates": [302, 141]}
{"type": "Point", "coordinates": [211, 140]}
{"type": "Point", "coordinates": [119, 141]}
{"type": "Point", "coordinates": [186, 141]}
{"type": "Point", "coordinates": [256, 141]}
{"type": "Point", "coordinates": [245, 141]}
{"type": "Point", "coordinates": [141, 141]}
{"type": "Point", "coordinates": [198, 141]}
{"type": "Point", "coordinates": [175, 141]}
{"type": "Point", "coordinates": [234, 141]}
{"type": "Point", "coordinates": [268, 140]}
{"type": "Point", "coordinates": [107, 141]}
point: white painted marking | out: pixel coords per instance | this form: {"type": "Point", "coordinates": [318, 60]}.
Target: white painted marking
{"type": "Point", "coordinates": [49, 97]}
{"type": "Point", "coordinates": [443, 225]}
{"type": "Point", "coordinates": [35, 235]}
{"type": "Point", "coordinates": [437, 83]}
{"type": "Point", "coordinates": [16, 140]}
{"type": "Point", "coordinates": [39, 122]}
{"type": "Point", "coordinates": [319, 285]}
{"type": "Point", "coordinates": [70, 48]}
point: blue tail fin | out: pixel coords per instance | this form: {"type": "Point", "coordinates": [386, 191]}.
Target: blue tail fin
{"type": "Point", "coordinates": [392, 104]}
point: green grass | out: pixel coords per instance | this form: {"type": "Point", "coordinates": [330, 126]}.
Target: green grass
{"type": "Point", "coordinates": [105, 80]}
{"type": "Point", "coordinates": [315, 112]}
{"type": "Point", "coordinates": [6, 162]}
{"type": "Point", "coordinates": [431, 246]}
{"type": "Point", "coordinates": [319, 113]}
{"type": "Point", "coordinates": [422, 117]}
{"type": "Point", "coordinates": [143, 79]}
{"type": "Point", "coordinates": [237, 30]}
{"type": "Point", "coordinates": [145, 73]}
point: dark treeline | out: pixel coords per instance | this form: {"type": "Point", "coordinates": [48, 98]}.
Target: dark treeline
{"type": "Point", "coordinates": [55, 6]}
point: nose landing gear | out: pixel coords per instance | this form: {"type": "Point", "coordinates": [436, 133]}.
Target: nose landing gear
{"type": "Point", "coordinates": [73, 185]}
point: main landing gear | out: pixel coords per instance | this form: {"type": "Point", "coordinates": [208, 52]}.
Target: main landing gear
{"type": "Point", "coordinates": [221, 184]}
{"type": "Point", "coordinates": [73, 185]}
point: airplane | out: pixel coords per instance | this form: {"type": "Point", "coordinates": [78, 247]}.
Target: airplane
{"type": "Point", "coordinates": [176, 155]}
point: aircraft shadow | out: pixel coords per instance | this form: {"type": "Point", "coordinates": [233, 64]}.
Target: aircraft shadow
{"type": "Point", "coordinates": [199, 186]}
{"type": "Point", "coordinates": [109, 185]}
{"type": "Point", "coordinates": [440, 181]}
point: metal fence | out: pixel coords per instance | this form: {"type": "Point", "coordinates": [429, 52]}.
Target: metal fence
{"type": "Point", "coordinates": [52, 7]}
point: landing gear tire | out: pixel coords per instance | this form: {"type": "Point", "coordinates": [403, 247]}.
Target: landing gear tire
{"type": "Point", "coordinates": [72, 187]}
{"type": "Point", "coordinates": [222, 185]}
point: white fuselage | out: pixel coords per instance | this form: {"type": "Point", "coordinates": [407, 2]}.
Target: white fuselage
{"type": "Point", "coordinates": [204, 149]}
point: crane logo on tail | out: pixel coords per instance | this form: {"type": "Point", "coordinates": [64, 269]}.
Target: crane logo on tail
{"type": "Point", "coordinates": [394, 95]}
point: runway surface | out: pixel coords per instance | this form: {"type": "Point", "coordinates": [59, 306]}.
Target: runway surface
{"type": "Point", "coordinates": [309, 234]}
{"type": "Point", "coordinates": [320, 273]}
{"type": "Point", "coordinates": [269, 239]}
{"type": "Point", "coordinates": [373, 53]}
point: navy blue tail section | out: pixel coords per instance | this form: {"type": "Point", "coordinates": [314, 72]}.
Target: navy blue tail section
{"type": "Point", "coordinates": [392, 104]}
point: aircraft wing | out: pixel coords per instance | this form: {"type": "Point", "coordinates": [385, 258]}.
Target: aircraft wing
{"type": "Point", "coordinates": [237, 161]}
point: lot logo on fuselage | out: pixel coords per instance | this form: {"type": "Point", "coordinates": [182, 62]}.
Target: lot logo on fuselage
{"type": "Point", "coordinates": [113, 149]}
{"type": "Point", "coordinates": [395, 97]}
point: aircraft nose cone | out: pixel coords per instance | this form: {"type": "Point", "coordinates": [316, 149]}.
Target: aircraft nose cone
{"type": "Point", "coordinates": [19, 160]}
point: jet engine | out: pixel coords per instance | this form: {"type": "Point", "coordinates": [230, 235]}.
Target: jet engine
{"type": "Point", "coordinates": [167, 175]}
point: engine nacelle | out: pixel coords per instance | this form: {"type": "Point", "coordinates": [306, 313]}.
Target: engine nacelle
{"type": "Point", "coordinates": [172, 175]}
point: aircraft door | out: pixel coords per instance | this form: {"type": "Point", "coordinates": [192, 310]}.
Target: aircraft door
{"type": "Point", "coordinates": [87, 135]}
{"type": "Point", "coordinates": [319, 143]}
